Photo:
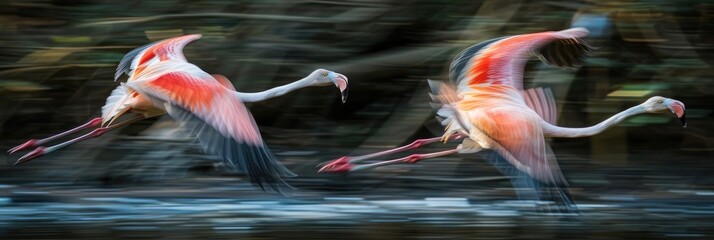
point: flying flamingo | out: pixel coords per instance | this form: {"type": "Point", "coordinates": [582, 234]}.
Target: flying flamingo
{"type": "Point", "coordinates": [487, 107]}
{"type": "Point", "coordinates": [162, 81]}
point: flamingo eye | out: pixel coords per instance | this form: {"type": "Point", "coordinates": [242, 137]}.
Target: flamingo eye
{"type": "Point", "coordinates": [324, 74]}
{"type": "Point", "coordinates": [660, 101]}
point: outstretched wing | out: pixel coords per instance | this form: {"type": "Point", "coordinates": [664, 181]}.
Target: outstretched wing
{"type": "Point", "coordinates": [221, 122]}
{"type": "Point", "coordinates": [461, 61]}
{"type": "Point", "coordinates": [501, 61]}
{"type": "Point", "coordinates": [516, 136]}
{"type": "Point", "coordinates": [542, 102]}
{"type": "Point", "coordinates": [117, 103]}
{"type": "Point", "coordinates": [139, 58]}
{"type": "Point", "coordinates": [528, 188]}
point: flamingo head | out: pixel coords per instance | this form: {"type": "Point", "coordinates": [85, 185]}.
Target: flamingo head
{"type": "Point", "coordinates": [659, 104]}
{"type": "Point", "coordinates": [324, 77]}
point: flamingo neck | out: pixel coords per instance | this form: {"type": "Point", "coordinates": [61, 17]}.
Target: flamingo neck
{"type": "Point", "coordinates": [555, 131]}
{"type": "Point", "coordinates": [276, 91]}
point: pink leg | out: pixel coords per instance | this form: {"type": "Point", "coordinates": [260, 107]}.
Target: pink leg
{"type": "Point", "coordinates": [40, 151]}
{"type": "Point", "coordinates": [37, 142]}
{"type": "Point", "coordinates": [408, 159]}
{"type": "Point", "coordinates": [346, 160]}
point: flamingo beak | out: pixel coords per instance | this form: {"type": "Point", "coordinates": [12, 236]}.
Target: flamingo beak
{"type": "Point", "coordinates": [342, 83]}
{"type": "Point", "coordinates": [678, 109]}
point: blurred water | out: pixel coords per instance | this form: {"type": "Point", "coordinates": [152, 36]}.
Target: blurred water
{"type": "Point", "coordinates": [140, 212]}
{"type": "Point", "coordinates": [387, 205]}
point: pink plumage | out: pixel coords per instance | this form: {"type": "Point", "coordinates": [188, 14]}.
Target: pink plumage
{"type": "Point", "coordinates": [205, 97]}
{"type": "Point", "coordinates": [485, 107]}
{"type": "Point", "coordinates": [161, 81]}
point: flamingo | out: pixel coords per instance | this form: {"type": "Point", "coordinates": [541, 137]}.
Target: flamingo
{"type": "Point", "coordinates": [487, 109]}
{"type": "Point", "coordinates": [161, 80]}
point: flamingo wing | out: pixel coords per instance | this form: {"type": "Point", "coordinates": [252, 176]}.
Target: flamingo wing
{"type": "Point", "coordinates": [461, 60]}
{"type": "Point", "coordinates": [118, 102]}
{"type": "Point", "coordinates": [542, 102]}
{"type": "Point", "coordinates": [223, 80]}
{"type": "Point", "coordinates": [529, 188]}
{"type": "Point", "coordinates": [516, 135]}
{"type": "Point", "coordinates": [219, 119]}
{"type": "Point", "coordinates": [126, 65]}
{"type": "Point", "coordinates": [501, 61]}
{"type": "Point", "coordinates": [139, 58]}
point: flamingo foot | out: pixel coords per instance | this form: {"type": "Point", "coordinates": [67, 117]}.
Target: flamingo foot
{"type": "Point", "coordinates": [340, 165]}
{"type": "Point", "coordinates": [414, 158]}
{"type": "Point", "coordinates": [30, 143]}
{"type": "Point", "coordinates": [38, 152]}
{"type": "Point", "coordinates": [37, 142]}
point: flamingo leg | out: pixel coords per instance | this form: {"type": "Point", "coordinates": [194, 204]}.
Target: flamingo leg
{"type": "Point", "coordinates": [408, 159]}
{"type": "Point", "coordinates": [40, 151]}
{"type": "Point", "coordinates": [416, 144]}
{"type": "Point", "coordinates": [37, 142]}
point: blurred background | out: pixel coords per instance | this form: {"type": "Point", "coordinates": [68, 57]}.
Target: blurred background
{"type": "Point", "coordinates": [647, 178]}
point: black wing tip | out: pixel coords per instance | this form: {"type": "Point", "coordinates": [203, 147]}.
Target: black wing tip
{"type": "Point", "coordinates": [566, 53]}
{"type": "Point", "coordinates": [124, 65]}
{"type": "Point", "coordinates": [256, 161]}
{"type": "Point", "coordinates": [262, 168]}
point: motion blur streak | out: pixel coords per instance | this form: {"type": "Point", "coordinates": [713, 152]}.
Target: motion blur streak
{"type": "Point", "coordinates": [646, 178]}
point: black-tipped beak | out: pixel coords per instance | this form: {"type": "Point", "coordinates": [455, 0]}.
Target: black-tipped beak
{"type": "Point", "coordinates": [678, 109]}
{"type": "Point", "coordinates": [342, 83]}
{"type": "Point", "coordinates": [345, 93]}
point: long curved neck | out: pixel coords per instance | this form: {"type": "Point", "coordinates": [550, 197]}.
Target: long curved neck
{"type": "Point", "coordinates": [276, 91]}
{"type": "Point", "coordinates": [555, 131]}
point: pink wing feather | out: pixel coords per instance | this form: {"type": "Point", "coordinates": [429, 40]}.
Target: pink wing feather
{"type": "Point", "coordinates": [140, 58]}
{"type": "Point", "coordinates": [500, 113]}
{"type": "Point", "coordinates": [223, 80]}
{"type": "Point", "coordinates": [210, 101]}
{"type": "Point", "coordinates": [542, 102]}
{"type": "Point", "coordinates": [519, 139]}
{"type": "Point", "coordinates": [220, 120]}
{"type": "Point", "coordinates": [501, 61]}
